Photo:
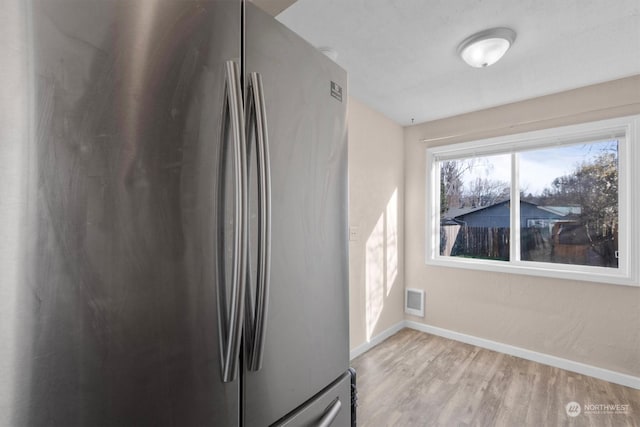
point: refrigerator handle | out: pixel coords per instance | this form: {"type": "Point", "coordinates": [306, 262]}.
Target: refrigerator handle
{"type": "Point", "coordinates": [257, 112]}
{"type": "Point", "coordinates": [330, 414]}
{"type": "Point", "coordinates": [231, 326]}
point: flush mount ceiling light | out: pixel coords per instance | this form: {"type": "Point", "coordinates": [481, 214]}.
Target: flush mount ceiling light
{"type": "Point", "coordinates": [486, 47]}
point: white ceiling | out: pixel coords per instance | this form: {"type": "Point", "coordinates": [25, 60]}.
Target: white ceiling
{"type": "Point", "coordinates": [401, 54]}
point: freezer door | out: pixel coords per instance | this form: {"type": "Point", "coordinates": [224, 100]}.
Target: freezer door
{"type": "Point", "coordinates": [306, 343]}
{"type": "Point", "coordinates": [332, 407]}
{"type": "Point", "coordinates": [112, 169]}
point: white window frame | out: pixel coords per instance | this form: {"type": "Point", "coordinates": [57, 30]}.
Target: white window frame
{"type": "Point", "coordinates": [625, 129]}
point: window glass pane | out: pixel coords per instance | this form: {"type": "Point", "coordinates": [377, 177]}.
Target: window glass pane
{"type": "Point", "coordinates": [474, 207]}
{"type": "Point", "coordinates": [569, 204]}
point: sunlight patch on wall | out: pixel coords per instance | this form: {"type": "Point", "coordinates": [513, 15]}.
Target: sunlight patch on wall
{"type": "Point", "coordinates": [391, 243]}
{"type": "Point", "coordinates": [374, 275]}
{"type": "Point", "coordinates": [381, 263]}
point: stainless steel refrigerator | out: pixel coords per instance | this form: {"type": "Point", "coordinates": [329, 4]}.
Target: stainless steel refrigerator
{"type": "Point", "coordinates": [173, 218]}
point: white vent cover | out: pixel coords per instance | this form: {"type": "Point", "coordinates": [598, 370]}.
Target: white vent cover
{"type": "Point", "coordinates": [414, 302]}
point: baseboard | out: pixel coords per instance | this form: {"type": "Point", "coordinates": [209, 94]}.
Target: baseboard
{"type": "Point", "coordinates": [376, 340]}
{"type": "Point", "coordinates": [545, 359]}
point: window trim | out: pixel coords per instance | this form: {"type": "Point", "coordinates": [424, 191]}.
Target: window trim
{"type": "Point", "coordinates": [626, 129]}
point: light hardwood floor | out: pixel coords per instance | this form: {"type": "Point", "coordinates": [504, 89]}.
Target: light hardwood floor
{"type": "Point", "coordinates": [418, 379]}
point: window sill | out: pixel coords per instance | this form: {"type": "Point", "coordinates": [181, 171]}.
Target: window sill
{"type": "Point", "coordinates": [531, 268]}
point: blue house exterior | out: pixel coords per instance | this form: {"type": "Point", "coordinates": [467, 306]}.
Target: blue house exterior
{"type": "Point", "coordinates": [498, 216]}
{"type": "Point", "coordinates": [547, 234]}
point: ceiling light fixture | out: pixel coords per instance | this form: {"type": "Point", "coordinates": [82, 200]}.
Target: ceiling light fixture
{"type": "Point", "coordinates": [486, 47]}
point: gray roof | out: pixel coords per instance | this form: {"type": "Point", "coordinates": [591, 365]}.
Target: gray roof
{"type": "Point", "coordinates": [557, 210]}
{"type": "Point", "coordinates": [457, 212]}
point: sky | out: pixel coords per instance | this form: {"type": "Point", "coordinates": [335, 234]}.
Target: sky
{"type": "Point", "coordinates": [538, 168]}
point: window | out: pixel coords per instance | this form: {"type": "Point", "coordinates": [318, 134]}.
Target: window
{"type": "Point", "coordinates": [560, 202]}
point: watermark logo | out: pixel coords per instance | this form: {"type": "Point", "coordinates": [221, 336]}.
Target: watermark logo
{"type": "Point", "coordinates": [606, 408]}
{"type": "Point", "coordinates": [573, 409]}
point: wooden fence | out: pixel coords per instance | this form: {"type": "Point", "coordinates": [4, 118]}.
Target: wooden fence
{"type": "Point", "coordinates": [475, 242]}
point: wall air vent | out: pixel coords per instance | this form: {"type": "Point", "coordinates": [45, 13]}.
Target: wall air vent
{"type": "Point", "coordinates": [414, 302]}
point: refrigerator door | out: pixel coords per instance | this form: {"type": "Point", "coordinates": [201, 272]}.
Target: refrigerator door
{"type": "Point", "coordinates": [306, 344]}
{"type": "Point", "coordinates": [332, 407]}
{"type": "Point", "coordinates": [113, 167]}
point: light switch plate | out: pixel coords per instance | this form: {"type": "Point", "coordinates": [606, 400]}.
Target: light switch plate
{"type": "Point", "coordinates": [354, 233]}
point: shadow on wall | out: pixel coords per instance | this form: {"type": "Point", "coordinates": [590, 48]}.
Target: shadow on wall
{"type": "Point", "coordinates": [381, 262]}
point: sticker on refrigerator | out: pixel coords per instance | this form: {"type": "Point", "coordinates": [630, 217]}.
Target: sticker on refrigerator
{"type": "Point", "coordinates": [336, 91]}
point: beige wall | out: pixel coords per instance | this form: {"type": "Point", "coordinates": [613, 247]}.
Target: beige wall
{"type": "Point", "coordinates": [376, 288]}
{"type": "Point", "coordinates": [592, 323]}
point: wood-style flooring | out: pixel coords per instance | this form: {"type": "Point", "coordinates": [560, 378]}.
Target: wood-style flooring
{"type": "Point", "coordinates": [418, 379]}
